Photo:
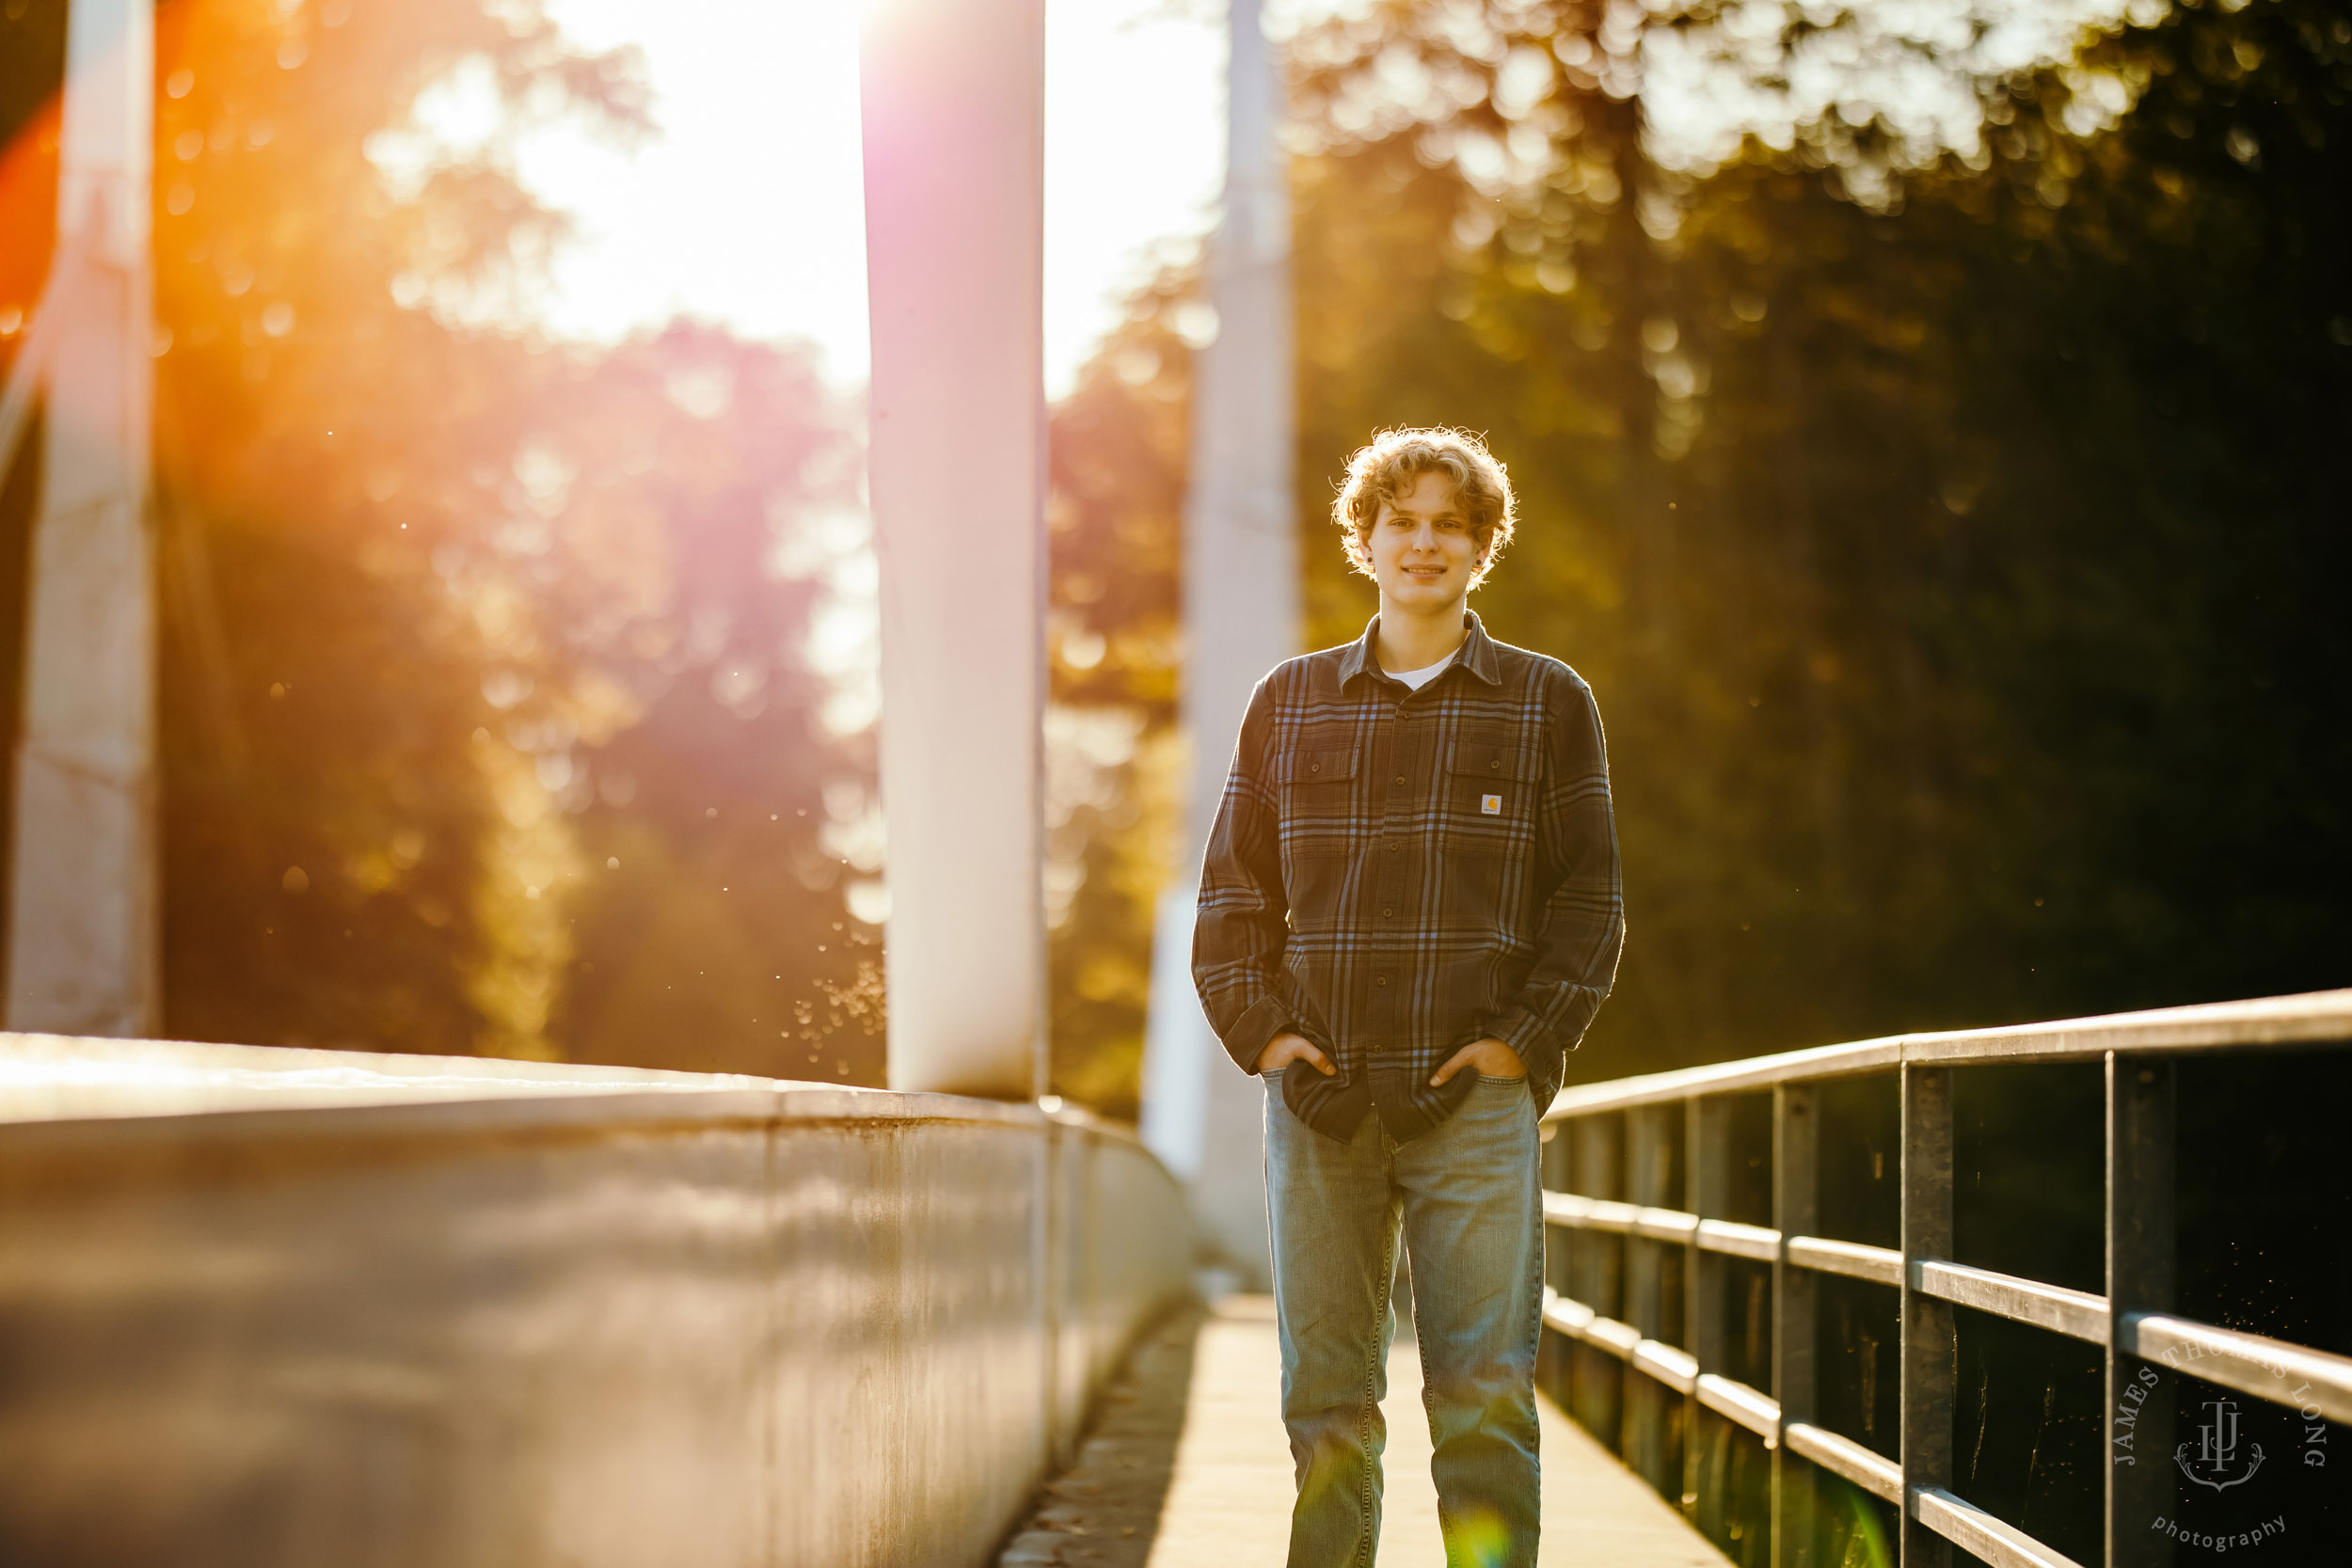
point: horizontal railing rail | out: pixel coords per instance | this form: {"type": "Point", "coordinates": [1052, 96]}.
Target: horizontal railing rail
{"type": "Point", "coordinates": [2132, 1321]}
{"type": "Point", "coordinates": [2318, 1017]}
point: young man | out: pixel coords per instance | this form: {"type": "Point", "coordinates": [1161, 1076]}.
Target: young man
{"type": "Point", "coordinates": [1409, 913]}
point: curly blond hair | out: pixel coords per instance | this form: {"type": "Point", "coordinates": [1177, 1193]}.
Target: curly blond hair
{"type": "Point", "coordinates": [1387, 466]}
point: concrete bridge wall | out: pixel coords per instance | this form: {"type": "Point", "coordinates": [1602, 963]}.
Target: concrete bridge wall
{"type": "Point", "coordinates": [300, 1308]}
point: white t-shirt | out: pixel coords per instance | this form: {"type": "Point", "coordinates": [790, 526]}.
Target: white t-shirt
{"type": "Point", "coordinates": [1422, 676]}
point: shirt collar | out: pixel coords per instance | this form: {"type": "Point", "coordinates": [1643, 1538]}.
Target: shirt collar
{"type": "Point", "coordinates": [1477, 653]}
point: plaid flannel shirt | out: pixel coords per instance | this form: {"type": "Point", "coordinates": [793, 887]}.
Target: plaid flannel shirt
{"type": "Point", "coordinates": [1394, 874]}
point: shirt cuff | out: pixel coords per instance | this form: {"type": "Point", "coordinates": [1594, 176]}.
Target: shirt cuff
{"type": "Point", "coordinates": [1253, 1030]}
{"type": "Point", "coordinates": [1532, 1037]}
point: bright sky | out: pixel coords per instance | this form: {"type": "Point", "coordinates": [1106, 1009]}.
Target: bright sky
{"type": "Point", "coordinates": [746, 206]}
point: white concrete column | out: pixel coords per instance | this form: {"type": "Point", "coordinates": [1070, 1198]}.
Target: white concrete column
{"type": "Point", "coordinates": [82, 915]}
{"type": "Point", "coordinates": [954, 113]}
{"type": "Point", "coordinates": [1201, 1113]}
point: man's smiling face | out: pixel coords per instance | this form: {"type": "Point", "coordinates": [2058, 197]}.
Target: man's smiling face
{"type": "Point", "coordinates": [1424, 554]}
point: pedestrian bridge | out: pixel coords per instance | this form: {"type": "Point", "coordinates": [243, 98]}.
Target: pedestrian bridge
{"type": "Point", "coordinates": [266, 1307]}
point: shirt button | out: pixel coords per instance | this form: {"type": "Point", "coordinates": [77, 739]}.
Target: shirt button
{"type": "Point", "coordinates": [1394, 847]}
{"type": "Point", "coordinates": [1495, 765]}
{"type": "Point", "coordinates": [1388, 915]}
{"type": "Point", "coordinates": [1400, 778]}
{"type": "Point", "coordinates": [1380, 980]}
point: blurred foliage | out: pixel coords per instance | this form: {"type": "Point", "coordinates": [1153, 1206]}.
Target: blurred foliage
{"type": "Point", "coordinates": [489, 720]}
{"type": "Point", "coordinates": [1949, 519]}
{"type": "Point", "coordinates": [1936, 472]}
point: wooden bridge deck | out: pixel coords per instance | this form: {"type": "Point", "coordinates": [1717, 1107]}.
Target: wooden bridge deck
{"type": "Point", "coordinates": [1187, 1468]}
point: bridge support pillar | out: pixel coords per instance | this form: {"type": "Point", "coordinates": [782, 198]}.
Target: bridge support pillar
{"type": "Point", "coordinates": [954, 137]}
{"type": "Point", "coordinates": [83, 943]}
{"type": "Point", "coordinates": [1241, 618]}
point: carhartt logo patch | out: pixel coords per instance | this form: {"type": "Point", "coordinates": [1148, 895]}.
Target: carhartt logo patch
{"type": "Point", "coordinates": [1490, 804]}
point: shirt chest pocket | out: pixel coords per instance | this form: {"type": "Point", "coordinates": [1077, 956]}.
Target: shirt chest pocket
{"type": "Point", "coordinates": [1318, 798]}
{"type": "Point", "coordinates": [1490, 794]}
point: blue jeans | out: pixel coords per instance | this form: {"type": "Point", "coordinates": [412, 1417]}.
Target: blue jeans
{"type": "Point", "coordinates": [1467, 1197]}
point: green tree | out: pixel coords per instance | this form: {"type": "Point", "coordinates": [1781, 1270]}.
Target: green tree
{"type": "Point", "coordinates": [1940, 531]}
{"type": "Point", "coordinates": [1948, 522]}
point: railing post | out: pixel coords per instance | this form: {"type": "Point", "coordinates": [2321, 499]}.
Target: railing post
{"type": "Point", "coordinates": [1597, 1275]}
{"type": "Point", "coordinates": [1704, 1128]}
{"type": "Point", "coordinates": [1649, 1161]}
{"type": "Point", "coordinates": [1929, 1350]}
{"type": "Point", "coordinates": [1595, 1269]}
{"type": "Point", "coordinates": [1796, 1210]}
{"type": "Point", "coordinates": [2142, 1111]}
{"type": "Point", "coordinates": [1555, 1157]}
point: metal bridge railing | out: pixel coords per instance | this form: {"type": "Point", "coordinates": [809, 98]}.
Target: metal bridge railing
{"type": "Point", "coordinates": [2131, 1322]}
{"type": "Point", "coordinates": [283, 1307]}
